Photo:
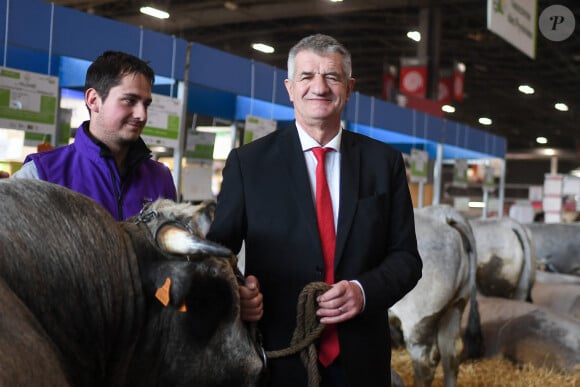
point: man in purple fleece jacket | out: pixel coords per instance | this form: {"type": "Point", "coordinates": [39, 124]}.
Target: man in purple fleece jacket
{"type": "Point", "coordinates": [108, 160]}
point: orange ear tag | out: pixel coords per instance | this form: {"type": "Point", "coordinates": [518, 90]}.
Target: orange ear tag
{"type": "Point", "coordinates": [162, 293]}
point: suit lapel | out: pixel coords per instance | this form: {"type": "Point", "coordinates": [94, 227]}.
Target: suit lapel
{"type": "Point", "coordinates": [349, 183]}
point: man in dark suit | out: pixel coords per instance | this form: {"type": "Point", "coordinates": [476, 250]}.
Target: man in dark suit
{"type": "Point", "coordinates": [268, 200]}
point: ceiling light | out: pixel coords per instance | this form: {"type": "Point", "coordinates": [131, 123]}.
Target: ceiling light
{"type": "Point", "coordinates": [448, 109]}
{"type": "Point", "coordinates": [414, 35]}
{"type": "Point", "coordinates": [231, 5]}
{"type": "Point", "coordinates": [159, 14]}
{"type": "Point", "coordinates": [336, 1]}
{"type": "Point", "coordinates": [485, 121]}
{"type": "Point", "coordinates": [263, 48]}
{"type": "Point", "coordinates": [561, 107]}
{"type": "Point", "coordinates": [526, 89]}
{"type": "Point", "coordinates": [541, 140]}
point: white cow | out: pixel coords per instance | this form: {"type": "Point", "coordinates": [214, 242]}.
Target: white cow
{"type": "Point", "coordinates": [506, 259]}
{"type": "Point", "coordinates": [558, 292]}
{"type": "Point", "coordinates": [547, 277]}
{"type": "Point", "coordinates": [557, 246]}
{"type": "Point", "coordinates": [430, 315]}
{"type": "Point", "coordinates": [529, 334]}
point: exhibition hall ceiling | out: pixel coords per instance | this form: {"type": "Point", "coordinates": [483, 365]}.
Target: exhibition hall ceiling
{"type": "Point", "coordinates": [375, 33]}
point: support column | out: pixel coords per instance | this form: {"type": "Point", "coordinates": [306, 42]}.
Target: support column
{"type": "Point", "coordinates": [429, 46]}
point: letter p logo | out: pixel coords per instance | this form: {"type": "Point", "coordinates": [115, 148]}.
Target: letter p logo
{"type": "Point", "coordinates": [556, 23]}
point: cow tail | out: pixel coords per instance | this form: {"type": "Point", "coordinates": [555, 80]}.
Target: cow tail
{"type": "Point", "coordinates": [473, 337]}
{"type": "Point", "coordinates": [528, 274]}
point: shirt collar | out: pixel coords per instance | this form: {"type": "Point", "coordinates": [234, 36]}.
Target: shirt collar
{"type": "Point", "coordinates": [308, 142]}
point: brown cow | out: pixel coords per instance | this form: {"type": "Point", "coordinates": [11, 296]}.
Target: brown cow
{"type": "Point", "coordinates": [106, 303]}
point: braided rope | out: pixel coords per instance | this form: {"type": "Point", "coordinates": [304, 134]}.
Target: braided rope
{"type": "Point", "coordinates": [308, 329]}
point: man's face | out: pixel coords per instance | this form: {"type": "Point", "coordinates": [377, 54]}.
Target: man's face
{"type": "Point", "coordinates": [121, 117]}
{"type": "Point", "coordinates": [319, 88]}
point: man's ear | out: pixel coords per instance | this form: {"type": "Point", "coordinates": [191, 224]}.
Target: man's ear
{"type": "Point", "coordinates": [92, 100]}
{"type": "Point", "coordinates": [350, 86]}
{"type": "Point", "coordinates": [288, 84]}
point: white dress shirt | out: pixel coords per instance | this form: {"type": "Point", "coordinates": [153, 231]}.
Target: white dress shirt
{"type": "Point", "coordinates": [332, 167]}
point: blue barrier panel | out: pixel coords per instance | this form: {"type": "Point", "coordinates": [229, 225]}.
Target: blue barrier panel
{"type": "Point", "coordinates": [28, 60]}
{"type": "Point", "coordinates": [213, 103]}
{"type": "Point", "coordinates": [29, 23]}
{"type": "Point", "coordinates": [166, 54]}
{"type": "Point", "coordinates": [219, 70]}
{"type": "Point", "coordinates": [263, 109]}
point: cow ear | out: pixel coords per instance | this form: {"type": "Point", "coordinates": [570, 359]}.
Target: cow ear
{"type": "Point", "coordinates": [203, 217]}
{"type": "Point", "coordinates": [176, 240]}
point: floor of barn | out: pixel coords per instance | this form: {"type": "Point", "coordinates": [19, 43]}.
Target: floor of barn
{"type": "Point", "coordinates": [489, 373]}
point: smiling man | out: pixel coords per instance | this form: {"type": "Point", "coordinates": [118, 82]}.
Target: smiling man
{"type": "Point", "coordinates": [364, 246]}
{"type": "Point", "coordinates": [108, 160]}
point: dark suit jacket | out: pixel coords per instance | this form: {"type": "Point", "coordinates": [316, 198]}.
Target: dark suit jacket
{"type": "Point", "coordinates": [266, 200]}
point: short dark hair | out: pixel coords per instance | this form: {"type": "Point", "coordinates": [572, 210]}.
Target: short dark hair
{"type": "Point", "coordinates": [110, 67]}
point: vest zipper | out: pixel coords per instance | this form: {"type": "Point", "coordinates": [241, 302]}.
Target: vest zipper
{"type": "Point", "coordinates": [118, 194]}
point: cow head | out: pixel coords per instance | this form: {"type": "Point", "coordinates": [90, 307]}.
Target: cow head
{"type": "Point", "coordinates": [194, 298]}
{"type": "Point", "coordinates": [180, 228]}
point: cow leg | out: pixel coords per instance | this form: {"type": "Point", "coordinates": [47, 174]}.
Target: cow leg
{"type": "Point", "coordinates": [425, 359]}
{"type": "Point", "coordinates": [422, 347]}
{"type": "Point", "coordinates": [450, 343]}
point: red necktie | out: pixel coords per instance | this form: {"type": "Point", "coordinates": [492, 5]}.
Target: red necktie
{"type": "Point", "coordinates": [329, 347]}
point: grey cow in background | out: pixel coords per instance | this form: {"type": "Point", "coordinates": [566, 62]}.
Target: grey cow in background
{"type": "Point", "coordinates": [88, 301]}
{"type": "Point", "coordinates": [430, 315]}
{"type": "Point", "coordinates": [557, 246]}
{"type": "Point", "coordinates": [506, 258]}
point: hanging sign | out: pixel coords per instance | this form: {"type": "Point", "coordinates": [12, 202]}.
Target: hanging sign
{"type": "Point", "coordinates": [460, 173]}
{"type": "Point", "coordinates": [200, 146]}
{"type": "Point", "coordinates": [458, 81]}
{"type": "Point", "coordinates": [445, 87]}
{"type": "Point", "coordinates": [413, 77]}
{"type": "Point", "coordinates": [389, 85]}
{"type": "Point", "coordinates": [516, 22]}
{"type": "Point", "coordinates": [163, 118]}
{"type": "Point", "coordinates": [488, 183]}
{"type": "Point", "coordinates": [28, 101]}
{"type": "Point", "coordinates": [257, 127]}
{"type": "Point", "coordinates": [419, 164]}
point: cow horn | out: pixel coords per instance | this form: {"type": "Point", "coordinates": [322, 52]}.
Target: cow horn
{"type": "Point", "coordinates": [176, 240]}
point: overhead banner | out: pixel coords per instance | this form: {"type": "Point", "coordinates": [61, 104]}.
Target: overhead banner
{"type": "Point", "coordinates": [458, 81]}
{"type": "Point", "coordinates": [445, 87]}
{"type": "Point", "coordinates": [516, 22]}
{"type": "Point", "coordinates": [389, 83]}
{"type": "Point", "coordinates": [413, 77]}
{"type": "Point", "coordinates": [28, 101]}
{"type": "Point", "coordinates": [163, 118]}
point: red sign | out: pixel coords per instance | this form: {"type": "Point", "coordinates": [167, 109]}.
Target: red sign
{"type": "Point", "coordinates": [413, 77]}
{"type": "Point", "coordinates": [445, 90]}
{"type": "Point", "coordinates": [422, 104]}
{"type": "Point", "coordinates": [389, 86]}
{"type": "Point", "coordinates": [413, 80]}
{"type": "Point", "coordinates": [458, 79]}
